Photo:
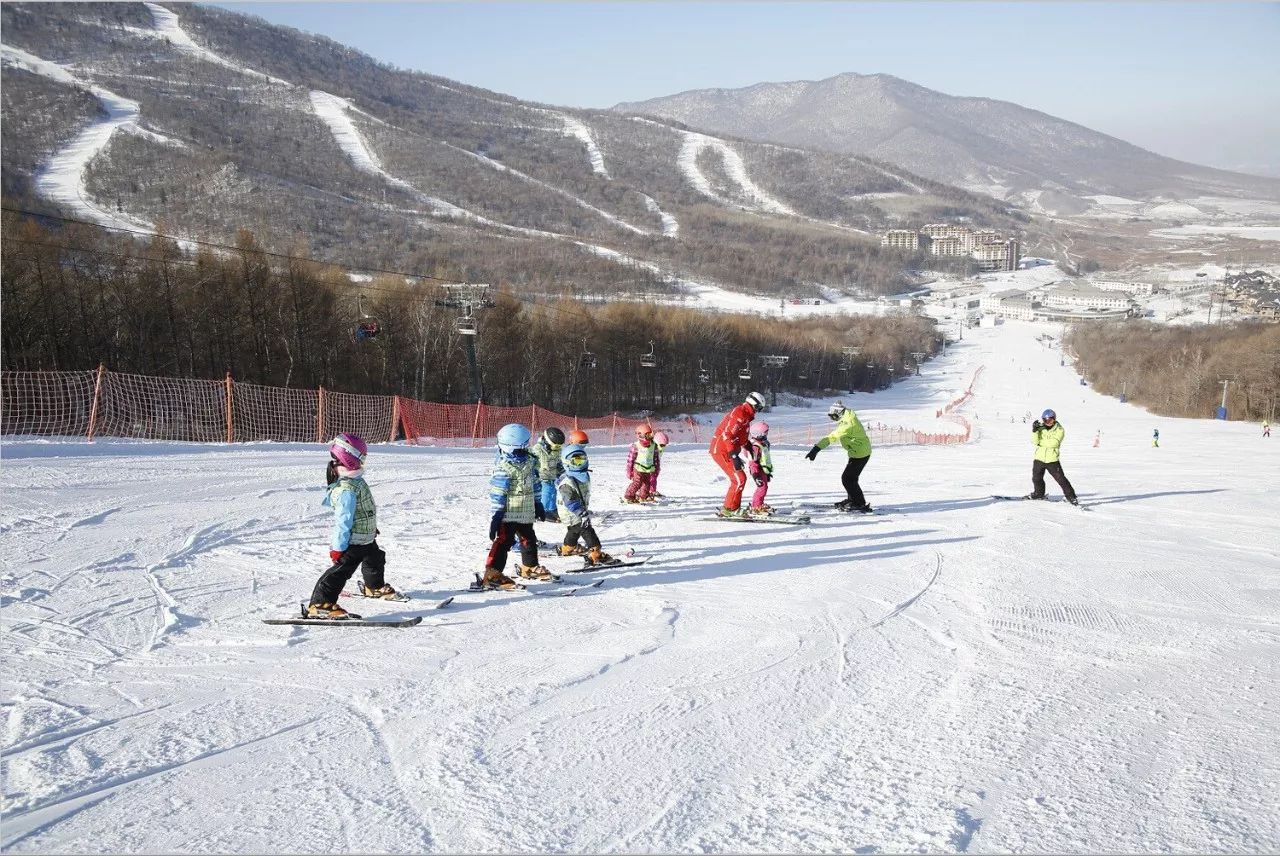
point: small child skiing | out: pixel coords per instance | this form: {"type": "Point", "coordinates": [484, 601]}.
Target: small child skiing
{"type": "Point", "coordinates": [1155, 438]}
{"type": "Point", "coordinates": [640, 465]}
{"type": "Point", "coordinates": [515, 503]}
{"type": "Point", "coordinates": [573, 498]}
{"type": "Point", "coordinates": [761, 467]}
{"type": "Point", "coordinates": [661, 440]}
{"type": "Point", "coordinates": [1266, 428]}
{"type": "Point", "coordinates": [546, 454]}
{"type": "Point", "coordinates": [355, 530]}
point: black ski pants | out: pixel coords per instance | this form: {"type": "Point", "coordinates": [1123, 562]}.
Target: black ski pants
{"type": "Point", "coordinates": [372, 562]}
{"type": "Point", "coordinates": [849, 478]}
{"type": "Point", "coordinates": [585, 531]}
{"type": "Point", "coordinates": [508, 535]}
{"type": "Point", "coordinates": [1039, 468]}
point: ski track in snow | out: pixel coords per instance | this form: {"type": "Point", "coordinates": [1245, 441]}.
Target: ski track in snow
{"type": "Point", "coordinates": [956, 675]}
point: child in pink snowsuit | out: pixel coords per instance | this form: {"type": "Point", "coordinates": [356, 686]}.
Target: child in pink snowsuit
{"type": "Point", "coordinates": [641, 462]}
{"type": "Point", "coordinates": [761, 467]}
{"type": "Point", "coordinates": [661, 440]}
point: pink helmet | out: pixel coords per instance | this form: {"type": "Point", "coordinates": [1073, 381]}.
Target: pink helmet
{"type": "Point", "coordinates": [349, 450]}
{"type": "Point", "coordinates": [759, 429]}
{"type": "Point", "coordinates": [661, 438]}
{"type": "Point", "coordinates": [643, 430]}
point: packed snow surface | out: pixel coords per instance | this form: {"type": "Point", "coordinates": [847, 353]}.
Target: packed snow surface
{"type": "Point", "coordinates": [955, 674]}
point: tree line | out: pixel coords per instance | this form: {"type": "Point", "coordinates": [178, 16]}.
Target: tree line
{"type": "Point", "coordinates": [1178, 371]}
{"type": "Point", "coordinates": [77, 296]}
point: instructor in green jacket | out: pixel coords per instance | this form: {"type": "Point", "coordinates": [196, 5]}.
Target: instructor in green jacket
{"type": "Point", "coordinates": [853, 437]}
{"type": "Point", "coordinates": [1047, 435]}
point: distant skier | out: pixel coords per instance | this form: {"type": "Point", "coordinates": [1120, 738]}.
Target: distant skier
{"type": "Point", "coordinates": [1097, 439]}
{"type": "Point", "coordinates": [760, 468]}
{"type": "Point", "coordinates": [1047, 435]}
{"type": "Point", "coordinates": [661, 440]}
{"type": "Point", "coordinates": [353, 543]}
{"type": "Point", "coordinates": [641, 462]}
{"type": "Point", "coordinates": [730, 439]}
{"type": "Point", "coordinates": [1155, 438]}
{"type": "Point", "coordinates": [1266, 428]}
{"type": "Point", "coordinates": [546, 454]}
{"type": "Point", "coordinates": [573, 496]}
{"type": "Point", "coordinates": [850, 434]}
{"type": "Point", "coordinates": [515, 503]}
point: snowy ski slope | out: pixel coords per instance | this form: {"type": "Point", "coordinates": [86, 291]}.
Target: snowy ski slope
{"type": "Point", "coordinates": [955, 675]}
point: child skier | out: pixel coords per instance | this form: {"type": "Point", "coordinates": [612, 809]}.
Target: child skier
{"type": "Point", "coordinates": [355, 530]}
{"type": "Point", "coordinates": [573, 497]}
{"type": "Point", "coordinates": [850, 434]}
{"type": "Point", "coordinates": [760, 468]}
{"type": "Point", "coordinates": [1047, 435]}
{"type": "Point", "coordinates": [546, 453]}
{"type": "Point", "coordinates": [1155, 438]}
{"type": "Point", "coordinates": [660, 439]}
{"type": "Point", "coordinates": [515, 504]}
{"type": "Point", "coordinates": [640, 465]}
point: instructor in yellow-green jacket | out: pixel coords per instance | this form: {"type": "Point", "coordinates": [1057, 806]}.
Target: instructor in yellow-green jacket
{"type": "Point", "coordinates": [853, 437]}
{"type": "Point", "coordinates": [1047, 435]}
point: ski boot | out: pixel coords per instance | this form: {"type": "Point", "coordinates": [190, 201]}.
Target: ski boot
{"type": "Point", "coordinates": [844, 505]}
{"type": "Point", "coordinates": [496, 580]}
{"type": "Point", "coordinates": [596, 556]}
{"type": "Point", "coordinates": [536, 573]}
{"type": "Point", "coordinates": [760, 511]}
{"type": "Point", "coordinates": [331, 612]}
{"type": "Point", "coordinates": [648, 499]}
{"type": "Point", "coordinates": [385, 592]}
{"type": "Point", "coordinates": [1032, 496]}
{"type": "Point", "coordinates": [864, 508]}
{"type": "Point", "coordinates": [632, 501]}
{"type": "Point", "coordinates": [732, 513]}
{"type": "Point", "coordinates": [1073, 501]}
{"type": "Point", "coordinates": [657, 495]}
{"type": "Point", "coordinates": [571, 550]}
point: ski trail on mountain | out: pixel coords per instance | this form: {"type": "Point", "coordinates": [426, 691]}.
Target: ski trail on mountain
{"type": "Point", "coordinates": [168, 27]}
{"type": "Point", "coordinates": [734, 168]}
{"type": "Point", "coordinates": [61, 179]}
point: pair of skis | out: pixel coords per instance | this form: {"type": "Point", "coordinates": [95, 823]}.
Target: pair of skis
{"type": "Point", "coordinates": [304, 620]}
{"type": "Point", "coordinates": [1002, 497]}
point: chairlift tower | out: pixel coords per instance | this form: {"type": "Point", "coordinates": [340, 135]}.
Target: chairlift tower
{"type": "Point", "coordinates": [469, 296]}
{"type": "Point", "coordinates": [775, 362]}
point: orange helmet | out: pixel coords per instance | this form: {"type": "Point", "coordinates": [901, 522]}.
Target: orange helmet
{"type": "Point", "coordinates": [579, 438]}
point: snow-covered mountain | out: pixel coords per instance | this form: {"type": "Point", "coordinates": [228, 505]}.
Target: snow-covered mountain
{"type": "Point", "coordinates": [982, 144]}
{"type": "Point", "coordinates": [206, 121]}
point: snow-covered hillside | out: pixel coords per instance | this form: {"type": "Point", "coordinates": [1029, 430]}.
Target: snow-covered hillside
{"type": "Point", "coordinates": [955, 674]}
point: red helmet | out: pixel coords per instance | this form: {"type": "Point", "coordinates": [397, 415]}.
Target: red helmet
{"type": "Point", "coordinates": [578, 438]}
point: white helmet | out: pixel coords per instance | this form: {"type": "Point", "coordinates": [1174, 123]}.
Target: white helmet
{"type": "Point", "coordinates": [836, 410]}
{"type": "Point", "coordinates": [756, 400]}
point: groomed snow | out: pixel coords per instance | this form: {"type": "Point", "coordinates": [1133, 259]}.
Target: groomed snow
{"type": "Point", "coordinates": [1257, 233]}
{"type": "Point", "coordinates": [955, 675]}
{"type": "Point", "coordinates": [754, 196]}
{"type": "Point", "coordinates": [169, 27]}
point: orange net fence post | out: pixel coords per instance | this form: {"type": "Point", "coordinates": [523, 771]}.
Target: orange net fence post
{"type": "Point", "coordinates": [230, 419]}
{"type": "Point", "coordinates": [97, 398]}
{"type": "Point", "coordinates": [47, 404]}
{"type": "Point", "coordinates": [320, 415]}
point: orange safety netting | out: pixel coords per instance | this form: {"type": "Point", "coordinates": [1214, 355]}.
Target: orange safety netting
{"type": "Point", "coordinates": [107, 404]}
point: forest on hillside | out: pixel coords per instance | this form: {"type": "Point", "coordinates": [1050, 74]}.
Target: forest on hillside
{"type": "Point", "coordinates": [1178, 371]}
{"type": "Point", "coordinates": [79, 296]}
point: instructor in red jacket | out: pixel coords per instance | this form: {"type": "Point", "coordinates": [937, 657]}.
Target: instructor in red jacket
{"type": "Point", "coordinates": [729, 439]}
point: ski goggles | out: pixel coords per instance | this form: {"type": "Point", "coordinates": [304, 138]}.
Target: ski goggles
{"type": "Point", "coordinates": [577, 459]}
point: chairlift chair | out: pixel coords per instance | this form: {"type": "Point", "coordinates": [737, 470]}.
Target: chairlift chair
{"type": "Point", "coordinates": [745, 372]}
{"type": "Point", "coordinates": [704, 376]}
{"type": "Point", "coordinates": [587, 360]}
{"type": "Point", "coordinates": [649, 360]}
{"type": "Point", "coordinates": [465, 323]}
{"type": "Point", "coordinates": [367, 327]}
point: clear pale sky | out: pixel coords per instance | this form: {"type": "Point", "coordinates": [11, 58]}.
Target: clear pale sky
{"type": "Point", "coordinates": [1196, 81]}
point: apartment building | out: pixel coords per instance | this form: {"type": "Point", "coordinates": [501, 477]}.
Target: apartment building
{"type": "Point", "coordinates": [901, 239]}
{"type": "Point", "coordinates": [1081, 295]}
{"type": "Point", "coordinates": [949, 246]}
{"type": "Point", "coordinates": [999, 254]}
{"type": "Point", "coordinates": [1015, 304]}
{"type": "Point", "coordinates": [1145, 288]}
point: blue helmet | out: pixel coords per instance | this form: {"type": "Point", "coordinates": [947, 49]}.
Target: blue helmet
{"type": "Point", "coordinates": [574, 458]}
{"type": "Point", "coordinates": [1048, 414]}
{"type": "Point", "coordinates": [513, 437]}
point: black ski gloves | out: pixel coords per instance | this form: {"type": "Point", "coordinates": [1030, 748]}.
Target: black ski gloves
{"type": "Point", "coordinates": [539, 513]}
{"type": "Point", "coordinates": [1036, 426]}
{"type": "Point", "coordinates": [813, 453]}
{"type": "Point", "coordinates": [495, 524]}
